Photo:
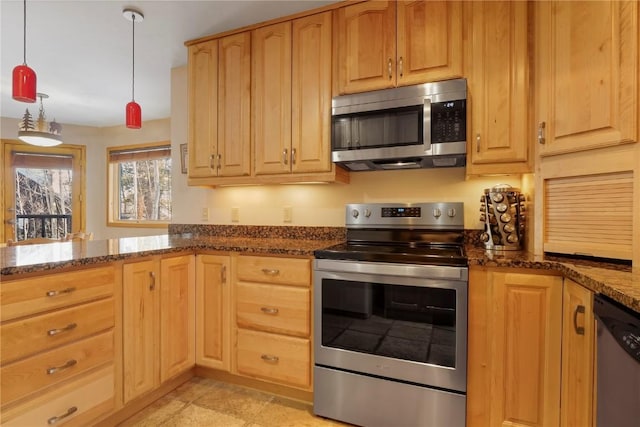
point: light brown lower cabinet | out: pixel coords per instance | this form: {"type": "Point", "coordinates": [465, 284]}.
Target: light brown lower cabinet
{"type": "Point", "coordinates": [158, 322]}
{"type": "Point", "coordinates": [526, 366]}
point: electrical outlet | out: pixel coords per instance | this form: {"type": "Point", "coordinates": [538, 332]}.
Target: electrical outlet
{"type": "Point", "coordinates": [287, 214]}
{"type": "Point", "coordinates": [204, 214]}
{"type": "Point", "coordinates": [235, 214]}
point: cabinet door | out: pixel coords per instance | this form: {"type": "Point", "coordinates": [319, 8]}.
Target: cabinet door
{"type": "Point", "coordinates": [586, 74]}
{"type": "Point", "coordinates": [203, 108]}
{"type": "Point", "coordinates": [311, 94]}
{"type": "Point", "coordinates": [271, 57]}
{"type": "Point", "coordinates": [177, 315]}
{"type": "Point", "coordinates": [578, 352]}
{"type": "Point", "coordinates": [498, 86]}
{"type": "Point", "coordinates": [366, 46]}
{"type": "Point", "coordinates": [429, 41]}
{"type": "Point", "coordinates": [141, 316]}
{"type": "Point", "coordinates": [212, 312]}
{"type": "Point", "coordinates": [234, 110]}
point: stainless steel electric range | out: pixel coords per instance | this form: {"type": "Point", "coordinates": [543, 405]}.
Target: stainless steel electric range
{"type": "Point", "coordinates": [390, 331]}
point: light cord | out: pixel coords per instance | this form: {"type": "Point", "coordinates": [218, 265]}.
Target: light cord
{"type": "Point", "coordinates": [133, 59]}
{"type": "Point", "coordinates": [24, 33]}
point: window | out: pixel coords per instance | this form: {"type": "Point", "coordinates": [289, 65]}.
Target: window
{"type": "Point", "coordinates": [140, 185]}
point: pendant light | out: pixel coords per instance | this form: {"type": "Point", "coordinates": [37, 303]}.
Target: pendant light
{"type": "Point", "coordinates": [133, 111]}
{"type": "Point", "coordinates": [40, 133]}
{"type": "Point", "coordinates": [24, 78]}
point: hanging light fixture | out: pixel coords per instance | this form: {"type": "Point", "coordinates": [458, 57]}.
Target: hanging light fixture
{"type": "Point", "coordinates": [133, 112]}
{"type": "Point", "coordinates": [24, 78]}
{"type": "Point", "coordinates": [40, 133]}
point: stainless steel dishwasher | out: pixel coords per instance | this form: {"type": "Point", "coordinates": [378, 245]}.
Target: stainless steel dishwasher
{"type": "Point", "coordinates": [618, 366]}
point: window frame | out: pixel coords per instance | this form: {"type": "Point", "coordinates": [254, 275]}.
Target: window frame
{"type": "Point", "coordinates": [112, 185]}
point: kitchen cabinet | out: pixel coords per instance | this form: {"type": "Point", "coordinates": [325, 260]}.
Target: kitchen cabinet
{"type": "Point", "coordinates": [213, 319]}
{"type": "Point", "coordinates": [57, 334]}
{"type": "Point", "coordinates": [578, 356]}
{"type": "Point", "coordinates": [497, 70]}
{"type": "Point", "coordinates": [292, 96]}
{"type": "Point", "coordinates": [382, 44]}
{"type": "Point", "coordinates": [219, 107]}
{"type": "Point", "coordinates": [586, 83]}
{"type": "Point", "coordinates": [272, 328]}
{"type": "Point", "coordinates": [159, 322]}
{"type": "Point", "coordinates": [514, 354]}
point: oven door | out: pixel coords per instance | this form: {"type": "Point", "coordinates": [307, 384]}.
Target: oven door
{"type": "Point", "coordinates": [397, 321]}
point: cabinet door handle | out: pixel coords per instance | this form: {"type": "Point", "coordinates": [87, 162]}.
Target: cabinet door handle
{"type": "Point", "coordinates": [271, 271]}
{"type": "Point", "coordinates": [401, 67]}
{"type": "Point", "coordinates": [51, 421]}
{"type": "Point", "coordinates": [69, 327]}
{"type": "Point", "coordinates": [270, 358]}
{"type": "Point", "coordinates": [152, 276]}
{"type": "Point", "coordinates": [60, 292]}
{"type": "Point", "coordinates": [579, 329]}
{"type": "Point", "coordinates": [219, 161]}
{"type": "Point", "coordinates": [269, 310]}
{"type": "Point", "coordinates": [223, 274]}
{"type": "Point", "coordinates": [389, 68]}
{"type": "Point", "coordinates": [477, 143]}
{"type": "Point", "coordinates": [293, 156]}
{"type": "Point", "coordinates": [285, 159]}
{"type": "Point", "coordinates": [69, 364]}
{"type": "Point", "coordinates": [212, 161]}
{"type": "Point", "coordinates": [541, 138]}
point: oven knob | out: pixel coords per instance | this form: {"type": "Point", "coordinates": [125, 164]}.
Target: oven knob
{"type": "Point", "coordinates": [437, 213]}
{"type": "Point", "coordinates": [355, 213]}
{"type": "Point", "coordinates": [367, 213]}
{"type": "Point", "coordinates": [451, 212]}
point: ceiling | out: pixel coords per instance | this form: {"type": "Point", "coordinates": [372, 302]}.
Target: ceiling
{"type": "Point", "coordinates": [81, 51]}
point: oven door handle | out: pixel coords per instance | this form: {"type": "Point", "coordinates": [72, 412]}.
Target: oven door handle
{"type": "Point", "coordinates": [385, 269]}
{"type": "Point", "coordinates": [426, 124]}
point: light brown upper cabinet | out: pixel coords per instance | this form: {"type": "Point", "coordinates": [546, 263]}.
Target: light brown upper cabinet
{"type": "Point", "coordinates": [219, 107]}
{"type": "Point", "coordinates": [586, 74]}
{"type": "Point", "coordinates": [292, 96]}
{"type": "Point", "coordinates": [497, 70]}
{"type": "Point", "coordinates": [382, 44]}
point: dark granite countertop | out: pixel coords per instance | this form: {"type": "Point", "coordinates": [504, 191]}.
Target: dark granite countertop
{"type": "Point", "coordinates": [615, 281]}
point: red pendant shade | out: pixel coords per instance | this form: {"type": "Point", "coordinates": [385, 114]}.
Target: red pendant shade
{"type": "Point", "coordinates": [134, 115]}
{"type": "Point", "coordinates": [24, 84]}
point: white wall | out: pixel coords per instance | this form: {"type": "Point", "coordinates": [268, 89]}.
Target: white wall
{"type": "Point", "coordinates": [315, 205]}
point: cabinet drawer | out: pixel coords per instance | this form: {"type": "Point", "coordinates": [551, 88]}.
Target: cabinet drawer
{"type": "Point", "coordinates": [35, 373]}
{"type": "Point", "coordinates": [38, 294]}
{"type": "Point", "coordinates": [283, 271]}
{"type": "Point", "coordinates": [91, 396]}
{"type": "Point", "coordinates": [273, 308]}
{"type": "Point", "coordinates": [35, 334]}
{"type": "Point", "coordinates": [276, 358]}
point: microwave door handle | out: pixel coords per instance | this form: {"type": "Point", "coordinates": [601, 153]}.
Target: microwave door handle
{"type": "Point", "coordinates": [426, 125]}
{"type": "Point", "coordinates": [355, 132]}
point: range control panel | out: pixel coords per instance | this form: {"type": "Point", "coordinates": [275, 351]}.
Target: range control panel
{"type": "Point", "coordinates": [438, 216]}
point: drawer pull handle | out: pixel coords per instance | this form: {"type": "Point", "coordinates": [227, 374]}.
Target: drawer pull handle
{"type": "Point", "coordinates": [61, 292]}
{"type": "Point", "coordinates": [51, 421]}
{"type": "Point", "coordinates": [579, 329]}
{"type": "Point", "coordinates": [271, 271]}
{"type": "Point", "coordinates": [269, 310]}
{"type": "Point", "coordinates": [270, 358]}
{"type": "Point", "coordinates": [223, 274]}
{"type": "Point", "coordinates": [69, 327]}
{"type": "Point", "coordinates": [152, 277]}
{"type": "Point", "coordinates": [67, 365]}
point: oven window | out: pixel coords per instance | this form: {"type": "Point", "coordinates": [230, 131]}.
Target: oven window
{"type": "Point", "coordinates": [402, 322]}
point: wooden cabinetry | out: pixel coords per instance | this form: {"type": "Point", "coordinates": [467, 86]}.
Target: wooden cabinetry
{"type": "Point", "coordinates": [292, 96]}
{"type": "Point", "coordinates": [381, 44]}
{"type": "Point", "coordinates": [578, 356]}
{"type": "Point", "coordinates": [213, 325]}
{"type": "Point", "coordinates": [586, 74]}
{"type": "Point", "coordinates": [273, 319]}
{"type": "Point", "coordinates": [219, 98]}
{"type": "Point", "coordinates": [57, 336]}
{"type": "Point", "coordinates": [497, 70]}
{"type": "Point", "coordinates": [159, 322]}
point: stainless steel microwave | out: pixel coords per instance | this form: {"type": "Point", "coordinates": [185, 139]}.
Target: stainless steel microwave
{"type": "Point", "coordinates": [410, 127]}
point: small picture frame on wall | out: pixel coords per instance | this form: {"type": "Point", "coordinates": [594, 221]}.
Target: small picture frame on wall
{"type": "Point", "coordinates": [183, 158]}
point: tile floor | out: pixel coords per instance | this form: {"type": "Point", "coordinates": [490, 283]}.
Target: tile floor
{"type": "Point", "coordinates": [204, 402]}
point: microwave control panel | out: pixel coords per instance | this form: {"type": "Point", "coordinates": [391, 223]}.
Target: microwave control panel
{"type": "Point", "coordinates": [448, 121]}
